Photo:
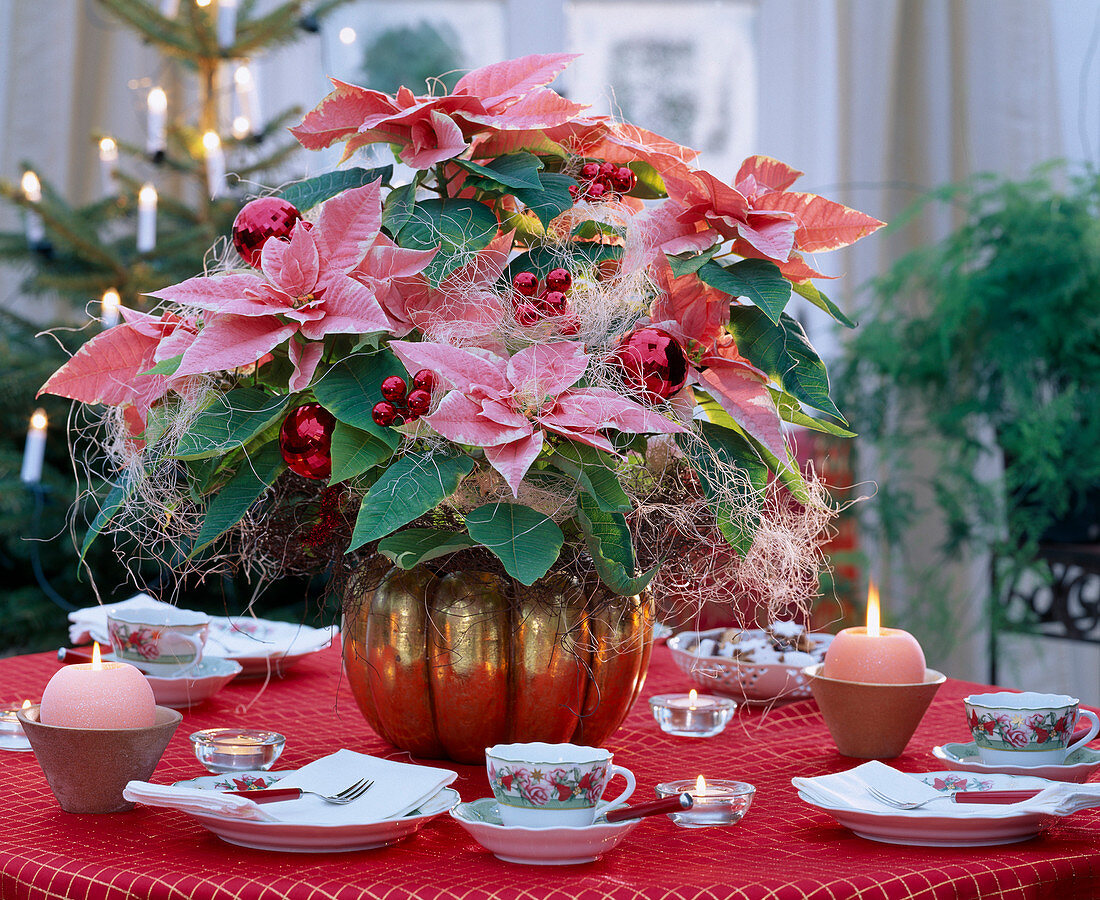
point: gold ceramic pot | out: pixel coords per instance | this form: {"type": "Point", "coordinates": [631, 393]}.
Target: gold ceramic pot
{"type": "Point", "coordinates": [445, 666]}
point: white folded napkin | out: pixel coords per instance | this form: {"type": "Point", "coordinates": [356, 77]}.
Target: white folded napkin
{"type": "Point", "coordinates": [228, 637]}
{"type": "Point", "coordinates": [398, 789]}
{"type": "Point", "coordinates": [849, 790]}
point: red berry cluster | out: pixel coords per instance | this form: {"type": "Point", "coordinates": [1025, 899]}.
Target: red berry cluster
{"type": "Point", "coordinates": [530, 307]}
{"type": "Point", "coordinates": [603, 180]}
{"type": "Point", "coordinates": [402, 405]}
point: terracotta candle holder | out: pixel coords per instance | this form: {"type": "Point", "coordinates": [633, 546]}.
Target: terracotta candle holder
{"type": "Point", "coordinates": [872, 721]}
{"type": "Point", "coordinates": [87, 768]}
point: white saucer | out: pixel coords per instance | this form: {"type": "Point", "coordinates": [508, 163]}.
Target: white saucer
{"type": "Point", "coordinates": [563, 846]}
{"type": "Point", "coordinates": [15, 742]}
{"type": "Point", "coordinates": [1079, 765]}
{"type": "Point", "coordinates": [192, 688]}
{"type": "Point", "coordinates": [291, 837]}
{"type": "Point", "coordinates": [947, 825]}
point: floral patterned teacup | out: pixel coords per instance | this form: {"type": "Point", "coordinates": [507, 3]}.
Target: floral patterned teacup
{"type": "Point", "coordinates": [1026, 729]}
{"type": "Point", "coordinates": [164, 642]}
{"type": "Point", "coordinates": [540, 785]}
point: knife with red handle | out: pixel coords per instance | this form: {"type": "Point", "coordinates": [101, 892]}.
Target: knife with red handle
{"type": "Point", "coordinates": [994, 796]}
{"type": "Point", "coordinates": [268, 795]}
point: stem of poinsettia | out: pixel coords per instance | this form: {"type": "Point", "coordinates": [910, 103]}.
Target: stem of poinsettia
{"type": "Point", "coordinates": [440, 179]}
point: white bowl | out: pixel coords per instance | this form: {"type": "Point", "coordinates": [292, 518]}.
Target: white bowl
{"type": "Point", "coordinates": [196, 686]}
{"type": "Point", "coordinates": [750, 682]}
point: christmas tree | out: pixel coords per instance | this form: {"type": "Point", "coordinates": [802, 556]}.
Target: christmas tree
{"type": "Point", "coordinates": [167, 202]}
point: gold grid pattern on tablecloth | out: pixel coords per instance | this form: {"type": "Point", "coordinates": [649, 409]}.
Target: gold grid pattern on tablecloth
{"type": "Point", "coordinates": [783, 849]}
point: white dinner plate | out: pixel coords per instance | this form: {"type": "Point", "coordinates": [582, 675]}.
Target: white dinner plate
{"type": "Point", "coordinates": [196, 686]}
{"type": "Point", "coordinates": [291, 837]}
{"type": "Point", "coordinates": [262, 646]}
{"type": "Point", "coordinates": [1079, 765]}
{"type": "Point", "coordinates": [562, 846]}
{"type": "Point", "coordinates": [944, 824]}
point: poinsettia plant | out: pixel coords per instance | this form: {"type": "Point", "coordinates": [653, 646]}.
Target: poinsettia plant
{"type": "Point", "coordinates": [557, 334]}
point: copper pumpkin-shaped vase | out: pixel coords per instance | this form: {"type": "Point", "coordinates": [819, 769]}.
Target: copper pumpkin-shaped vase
{"type": "Point", "coordinates": [446, 665]}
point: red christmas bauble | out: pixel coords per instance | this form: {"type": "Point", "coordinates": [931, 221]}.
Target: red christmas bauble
{"type": "Point", "coordinates": [424, 380]}
{"type": "Point", "coordinates": [306, 439]}
{"type": "Point", "coordinates": [653, 362]}
{"type": "Point", "coordinates": [559, 280]}
{"type": "Point", "coordinates": [552, 303]}
{"type": "Point", "coordinates": [528, 314]}
{"type": "Point", "coordinates": [624, 180]}
{"type": "Point", "coordinates": [596, 190]}
{"type": "Point", "coordinates": [607, 169]}
{"type": "Point", "coordinates": [384, 413]}
{"type": "Point", "coordinates": [259, 220]}
{"type": "Point", "coordinates": [420, 401]}
{"type": "Point", "coordinates": [590, 170]}
{"type": "Point", "coordinates": [394, 388]}
{"type": "Point", "coordinates": [526, 284]}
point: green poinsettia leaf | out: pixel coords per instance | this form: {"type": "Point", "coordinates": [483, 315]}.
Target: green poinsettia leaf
{"type": "Point", "coordinates": [231, 421]}
{"type": "Point", "coordinates": [726, 449]}
{"type": "Point", "coordinates": [516, 170]}
{"type": "Point", "coordinates": [350, 389]}
{"type": "Point", "coordinates": [458, 228]}
{"type": "Point", "coordinates": [256, 474]}
{"type": "Point", "coordinates": [119, 495]}
{"type": "Point", "coordinates": [690, 263]}
{"type": "Point", "coordinates": [650, 186]}
{"type": "Point", "coordinates": [608, 539]}
{"type": "Point", "coordinates": [784, 353]}
{"type": "Point", "coordinates": [355, 451]}
{"type": "Point", "coordinates": [525, 541]}
{"type": "Point", "coordinates": [165, 366]}
{"type": "Point", "coordinates": [410, 487]}
{"type": "Point", "coordinates": [594, 473]}
{"type": "Point", "coordinates": [810, 291]}
{"type": "Point", "coordinates": [590, 229]}
{"type": "Point", "coordinates": [549, 200]}
{"type": "Point", "coordinates": [757, 280]}
{"type": "Point", "coordinates": [790, 410]}
{"type": "Point", "coordinates": [398, 208]}
{"type": "Point", "coordinates": [305, 195]}
{"type": "Point", "coordinates": [412, 546]}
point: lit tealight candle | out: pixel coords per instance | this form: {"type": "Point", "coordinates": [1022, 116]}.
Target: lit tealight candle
{"type": "Point", "coordinates": [98, 695]}
{"type": "Point", "coordinates": [34, 451]}
{"type": "Point", "coordinates": [10, 726]}
{"type": "Point", "coordinates": [715, 803]}
{"type": "Point", "coordinates": [147, 219]}
{"type": "Point", "coordinates": [875, 655]}
{"type": "Point", "coordinates": [108, 162]}
{"type": "Point", "coordinates": [215, 163]}
{"type": "Point", "coordinates": [155, 140]}
{"type": "Point", "coordinates": [32, 190]}
{"type": "Point", "coordinates": [110, 304]}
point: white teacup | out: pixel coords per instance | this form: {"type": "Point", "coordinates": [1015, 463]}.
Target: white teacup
{"type": "Point", "coordinates": [540, 785]}
{"type": "Point", "coordinates": [1026, 729]}
{"type": "Point", "coordinates": [167, 642]}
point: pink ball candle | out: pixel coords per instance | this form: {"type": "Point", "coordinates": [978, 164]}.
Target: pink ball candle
{"type": "Point", "coordinates": [98, 695]}
{"type": "Point", "coordinates": [875, 655]}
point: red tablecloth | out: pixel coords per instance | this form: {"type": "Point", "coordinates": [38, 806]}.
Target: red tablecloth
{"type": "Point", "coordinates": [782, 849]}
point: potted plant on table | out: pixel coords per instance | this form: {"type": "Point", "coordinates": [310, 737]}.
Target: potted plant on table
{"type": "Point", "coordinates": [989, 341]}
{"type": "Point", "coordinates": [514, 390]}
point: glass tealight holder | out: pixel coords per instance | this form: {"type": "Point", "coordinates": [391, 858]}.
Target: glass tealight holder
{"type": "Point", "coordinates": [716, 802]}
{"type": "Point", "coordinates": [692, 715]}
{"type": "Point", "coordinates": [237, 749]}
{"type": "Point", "coordinates": [12, 736]}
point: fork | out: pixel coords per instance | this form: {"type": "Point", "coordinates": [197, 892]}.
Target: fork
{"type": "Point", "coordinates": [903, 804]}
{"type": "Point", "coordinates": [983, 797]}
{"type": "Point", "coordinates": [271, 795]}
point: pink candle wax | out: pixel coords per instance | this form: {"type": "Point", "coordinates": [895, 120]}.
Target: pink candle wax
{"type": "Point", "coordinates": [875, 655]}
{"type": "Point", "coordinates": [98, 695]}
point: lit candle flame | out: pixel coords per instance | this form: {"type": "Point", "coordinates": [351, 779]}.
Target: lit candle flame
{"type": "Point", "coordinates": [32, 187]}
{"type": "Point", "coordinates": [108, 149]}
{"type": "Point", "coordinates": [241, 127]}
{"type": "Point", "coordinates": [110, 303]}
{"type": "Point", "coordinates": [700, 786]}
{"type": "Point", "coordinates": [243, 76]}
{"type": "Point", "coordinates": [211, 142]}
{"type": "Point", "coordinates": [693, 698]}
{"type": "Point", "coordinates": [26, 704]}
{"type": "Point", "coordinates": [39, 420]}
{"type": "Point", "coordinates": [97, 661]}
{"type": "Point", "coordinates": [157, 100]}
{"type": "Point", "coordinates": [874, 616]}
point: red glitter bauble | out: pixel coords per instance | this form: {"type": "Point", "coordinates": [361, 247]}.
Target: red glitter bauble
{"type": "Point", "coordinates": [653, 362]}
{"type": "Point", "coordinates": [384, 413]}
{"type": "Point", "coordinates": [305, 440]}
{"type": "Point", "coordinates": [552, 303]}
{"type": "Point", "coordinates": [526, 284]}
{"type": "Point", "coordinates": [259, 220]}
{"type": "Point", "coordinates": [624, 180]}
{"type": "Point", "coordinates": [590, 170]}
{"type": "Point", "coordinates": [559, 280]}
{"type": "Point", "coordinates": [394, 388]}
{"type": "Point", "coordinates": [424, 380]}
{"type": "Point", "coordinates": [419, 402]}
